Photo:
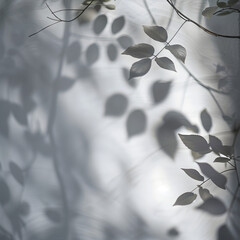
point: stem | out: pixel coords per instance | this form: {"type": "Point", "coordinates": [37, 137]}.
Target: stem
{"type": "Point", "coordinates": [184, 17]}
{"type": "Point", "coordinates": [149, 12]}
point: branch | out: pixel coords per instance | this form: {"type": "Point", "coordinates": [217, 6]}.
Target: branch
{"type": "Point", "coordinates": [59, 20]}
{"type": "Point", "coordinates": [184, 17]}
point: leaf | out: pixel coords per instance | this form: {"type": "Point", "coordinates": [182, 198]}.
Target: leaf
{"type": "Point", "coordinates": [173, 232]}
{"type": "Point", "coordinates": [224, 233]}
{"type": "Point", "coordinates": [156, 33]}
{"type": "Point", "coordinates": [125, 41]}
{"type": "Point", "coordinates": [116, 105]}
{"type": "Point", "coordinates": [195, 143]}
{"type": "Point", "coordinates": [99, 24]}
{"type": "Point", "coordinates": [136, 123]}
{"type": "Point", "coordinates": [213, 206]}
{"type": "Point", "coordinates": [112, 52]}
{"type": "Point", "coordinates": [216, 144]}
{"type": "Point", "coordinates": [167, 140]}
{"type": "Point", "coordinates": [232, 2]}
{"type": "Point", "coordinates": [140, 68]}
{"type": "Point", "coordinates": [193, 174]}
{"type": "Point", "coordinates": [4, 192]}
{"type": "Point", "coordinates": [206, 120]}
{"type": "Point", "coordinates": [17, 173]}
{"type": "Point", "coordinates": [160, 91]}
{"type": "Point", "coordinates": [73, 52]}
{"type": "Point", "coordinates": [165, 63]}
{"type": "Point", "coordinates": [131, 82]}
{"type": "Point", "coordinates": [204, 193]}
{"type": "Point", "coordinates": [141, 50]}
{"type": "Point", "coordinates": [53, 215]}
{"type": "Point", "coordinates": [217, 178]}
{"type": "Point", "coordinates": [92, 53]}
{"type": "Point", "coordinates": [118, 24]}
{"type": "Point", "coordinates": [178, 51]}
{"type": "Point", "coordinates": [222, 159]}
{"type": "Point", "coordinates": [19, 114]}
{"type": "Point", "coordinates": [110, 6]}
{"type": "Point", "coordinates": [185, 199]}
{"type": "Point", "coordinates": [65, 83]}
{"type": "Point", "coordinates": [196, 155]}
{"type": "Point", "coordinates": [221, 4]}
{"type": "Point", "coordinates": [209, 11]}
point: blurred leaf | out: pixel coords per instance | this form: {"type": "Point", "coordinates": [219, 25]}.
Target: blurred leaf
{"type": "Point", "coordinates": [24, 209]}
{"type": "Point", "coordinates": [92, 54]}
{"type": "Point", "coordinates": [110, 6]}
{"type": "Point", "coordinates": [167, 140]}
{"type": "Point", "coordinates": [65, 83]}
{"type": "Point", "coordinates": [213, 206]}
{"type": "Point", "coordinates": [217, 178]}
{"type": "Point", "coordinates": [178, 51]}
{"type": "Point", "coordinates": [17, 173]}
{"type": "Point", "coordinates": [156, 33]}
{"type": "Point", "coordinates": [209, 11]}
{"type": "Point", "coordinates": [160, 91]}
{"type": "Point", "coordinates": [224, 233]}
{"type": "Point", "coordinates": [112, 52]}
{"type": "Point", "coordinates": [118, 24]}
{"type": "Point", "coordinates": [99, 24]}
{"type": "Point", "coordinates": [136, 123]}
{"type": "Point", "coordinates": [165, 63]}
{"type": "Point", "coordinates": [131, 82]}
{"type": "Point", "coordinates": [195, 143]}
{"type": "Point", "coordinates": [73, 52]}
{"type": "Point", "coordinates": [116, 105]}
{"type": "Point", "coordinates": [193, 174]}
{"type": "Point", "coordinates": [19, 114]}
{"type": "Point", "coordinates": [222, 159]}
{"type": "Point", "coordinates": [140, 68]}
{"type": "Point", "coordinates": [4, 192]}
{"type": "Point", "coordinates": [173, 232]}
{"type": "Point", "coordinates": [222, 82]}
{"type": "Point", "coordinates": [206, 120]}
{"type": "Point", "coordinates": [196, 155]}
{"type": "Point", "coordinates": [232, 2]}
{"type": "Point", "coordinates": [204, 193]}
{"type": "Point", "coordinates": [141, 50]}
{"type": "Point", "coordinates": [125, 41]}
{"type": "Point", "coordinates": [53, 215]}
{"type": "Point", "coordinates": [185, 199]}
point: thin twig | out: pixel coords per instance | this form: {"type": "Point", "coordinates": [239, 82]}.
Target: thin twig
{"type": "Point", "coordinates": [185, 18]}
{"type": "Point", "coordinates": [149, 12]}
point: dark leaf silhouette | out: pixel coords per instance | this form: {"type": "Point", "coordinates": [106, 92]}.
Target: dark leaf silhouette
{"type": "Point", "coordinates": [204, 193]}
{"type": "Point", "coordinates": [167, 140]}
{"type": "Point", "coordinates": [196, 143]}
{"type": "Point", "coordinates": [216, 144]}
{"type": "Point", "coordinates": [160, 91]}
{"type": "Point", "coordinates": [206, 120]}
{"type": "Point", "coordinates": [132, 82]}
{"type": "Point", "coordinates": [53, 215]}
{"type": "Point", "coordinates": [224, 233]}
{"type": "Point", "coordinates": [17, 173]}
{"type": "Point", "coordinates": [99, 24]}
{"type": "Point", "coordinates": [4, 192]}
{"type": "Point", "coordinates": [19, 114]}
{"type": "Point", "coordinates": [136, 123]}
{"type": "Point", "coordinates": [125, 41]}
{"type": "Point", "coordinates": [193, 174]}
{"type": "Point", "coordinates": [116, 105]}
{"type": "Point", "coordinates": [178, 52]}
{"type": "Point", "coordinates": [185, 199]}
{"type": "Point", "coordinates": [73, 52]}
{"type": "Point", "coordinates": [92, 53]}
{"type": "Point", "coordinates": [112, 52]}
{"type": "Point", "coordinates": [140, 68]}
{"type": "Point", "coordinates": [65, 83]}
{"type": "Point", "coordinates": [166, 63]}
{"type": "Point", "coordinates": [157, 33]}
{"type": "Point", "coordinates": [222, 159]}
{"type": "Point", "coordinates": [217, 178]}
{"type": "Point", "coordinates": [118, 24]}
{"type": "Point", "coordinates": [213, 206]}
{"type": "Point", "coordinates": [141, 50]}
